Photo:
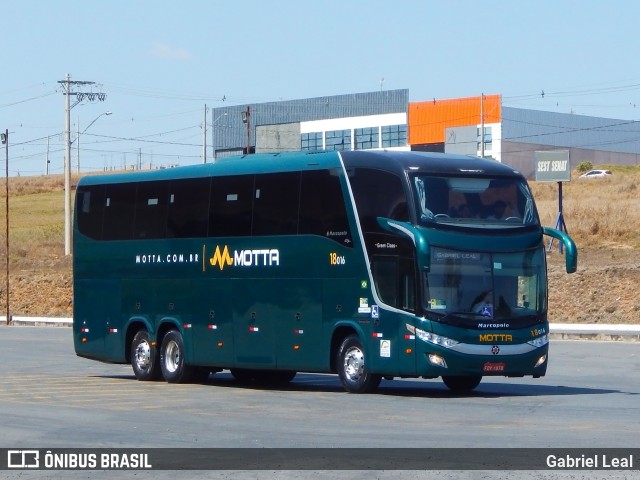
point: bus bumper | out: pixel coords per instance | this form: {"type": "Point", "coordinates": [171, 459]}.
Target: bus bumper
{"type": "Point", "coordinates": [486, 360]}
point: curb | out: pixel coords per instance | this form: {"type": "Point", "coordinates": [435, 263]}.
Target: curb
{"type": "Point", "coordinates": [558, 331]}
{"type": "Point", "coordinates": [38, 321]}
{"type": "Point", "coordinates": [577, 331]}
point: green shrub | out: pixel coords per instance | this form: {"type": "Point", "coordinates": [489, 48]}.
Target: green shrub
{"type": "Point", "coordinates": [585, 167]}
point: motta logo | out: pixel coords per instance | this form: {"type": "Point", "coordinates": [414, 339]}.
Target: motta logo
{"type": "Point", "coordinates": [267, 257]}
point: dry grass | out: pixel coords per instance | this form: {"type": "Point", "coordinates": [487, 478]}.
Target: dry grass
{"type": "Point", "coordinates": [602, 215]}
{"type": "Point", "coordinates": [598, 211]}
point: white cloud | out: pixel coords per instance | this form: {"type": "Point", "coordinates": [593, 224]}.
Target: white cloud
{"type": "Point", "coordinates": [167, 52]}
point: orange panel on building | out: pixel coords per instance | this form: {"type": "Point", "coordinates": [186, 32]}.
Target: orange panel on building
{"type": "Point", "coordinates": [428, 121]}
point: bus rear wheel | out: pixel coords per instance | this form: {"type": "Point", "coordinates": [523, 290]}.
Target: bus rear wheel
{"type": "Point", "coordinates": [352, 368]}
{"type": "Point", "coordinates": [463, 384]}
{"type": "Point", "coordinates": [174, 369]}
{"type": "Point", "coordinates": [144, 357]}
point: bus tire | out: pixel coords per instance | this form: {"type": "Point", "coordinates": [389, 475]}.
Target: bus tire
{"type": "Point", "coordinates": [352, 368]}
{"type": "Point", "coordinates": [463, 384]}
{"type": "Point", "coordinates": [145, 359]}
{"type": "Point", "coordinates": [174, 370]}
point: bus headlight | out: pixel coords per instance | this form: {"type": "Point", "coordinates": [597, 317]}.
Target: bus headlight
{"type": "Point", "coordinates": [540, 361]}
{"type": "Point", "coordinates": [435, 339]}
{"type": "Point", "coordinates": [540, 341]}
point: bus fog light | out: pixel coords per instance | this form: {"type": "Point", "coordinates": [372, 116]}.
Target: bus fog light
{"type": "Point", "coordinates": [437, 360]}
{"type": "Point", "coordinates": [541, 360]}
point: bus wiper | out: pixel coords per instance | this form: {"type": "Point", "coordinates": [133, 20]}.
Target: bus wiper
{"type": "Point", "coordinates": [451, 316]}
{"type": "Point", "coordinates": [471, 314]}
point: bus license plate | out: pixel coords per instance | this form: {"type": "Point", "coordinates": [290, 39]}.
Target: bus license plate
{"type": "Point", "coordinates": [493, 367]}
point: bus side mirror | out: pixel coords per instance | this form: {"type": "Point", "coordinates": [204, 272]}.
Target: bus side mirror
{"type": "Point", "coordinates": [407, 230]}
{"type": "Point", "coordinates": [571, 257]}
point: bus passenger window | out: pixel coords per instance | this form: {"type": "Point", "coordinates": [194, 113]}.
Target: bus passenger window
{"type": "Point", "coordinates": [378, 194]}
{"type": "Point", "coordinates": [151, 210]}
{"type": "Point", "coordinates": [118, 211]}
{"type": "Point", "coordinates": [322, 207]}
{"type": "Point", "coordinates": [231, 206]}
{"type": "Point", "coordinates": [188, 209]}
{"type": "Point", "coordinates": [90, 201]}
{"type": "Point", "coordinates": [275, 204]}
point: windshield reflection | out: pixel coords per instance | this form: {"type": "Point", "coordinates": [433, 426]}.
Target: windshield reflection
{"type": "Point", "coordinates": [474, 201]}
{"type": "Point", "coordinates": [479, 286]}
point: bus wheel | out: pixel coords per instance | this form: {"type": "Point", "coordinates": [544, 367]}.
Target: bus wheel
{"type": "Point", "coordinates": [462, 384]}
{"type": "Point", "coordinates": [352, 368]}
{"type": "Point", "coordinates": [172, 363]}
{"type": "Point", "coordinates": [144, 357]}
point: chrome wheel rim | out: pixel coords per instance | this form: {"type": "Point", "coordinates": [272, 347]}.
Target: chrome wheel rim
{"type": "Point", "coordinates": [143, 356]}
{"type": "Point", "coordinates": [172, 357]}
{"type": "Point", "coordinates": [354, 364]}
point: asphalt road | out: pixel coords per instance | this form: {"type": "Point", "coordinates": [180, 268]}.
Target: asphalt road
{"type": "Point", "coordinates": [49, 398]}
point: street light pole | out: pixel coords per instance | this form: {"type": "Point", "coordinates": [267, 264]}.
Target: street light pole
{"type": "Point", "coordinates": [86, 128]}
{"type": "Point", "coordinates": [5, 140]}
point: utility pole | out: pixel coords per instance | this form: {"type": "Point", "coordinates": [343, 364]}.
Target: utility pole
{"type": "Point", "coordinates": [68, 85]}
{"type": "Point", "coordinates": [78, 146]}
{"type": "Point", "coordinates": [46, 165]}
{"type": "Point", "coordinates": [5, 141]}
{"type": "Point", "coordinates": [204, 136]}
{"type": "Point", "coordinates": [246, 119]}
{"type": "Point", "coordinates": [482, 125]}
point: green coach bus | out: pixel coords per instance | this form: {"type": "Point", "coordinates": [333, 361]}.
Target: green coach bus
{"type": "Point", "coordinates": [368, 264]}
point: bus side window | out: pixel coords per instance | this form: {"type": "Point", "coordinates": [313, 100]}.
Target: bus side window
{"type": "Point", "coordinates": [188, 209]}
{"type": "Point", "coordinates": [275, 204]}
{"type": "Point", "coordinates": [151, 210]}
{"type": "Point", "coordinates": [231, 206]}
{"type": "Point", "coordinates": [90, 206]}
{"type": "Point", "coordinates": [322, 207]}
{"type": "Point", "coordinates": [378, 194]}
{"type": "Point", "coordinates": [118, 214]}
{"type": "Point", "coordinates": [394, 278]}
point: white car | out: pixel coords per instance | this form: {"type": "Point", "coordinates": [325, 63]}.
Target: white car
{"type": "Point", "coordinates": [596, 174]}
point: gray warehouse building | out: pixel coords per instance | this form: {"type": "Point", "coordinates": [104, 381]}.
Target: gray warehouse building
{"type": "Point", "coordinates": [387, 120]}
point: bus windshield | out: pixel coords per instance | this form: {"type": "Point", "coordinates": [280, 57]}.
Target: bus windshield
{"type": "Point", "coordinates": [471, 288]}
{"type": "Point", "coordinates": [474, 201]}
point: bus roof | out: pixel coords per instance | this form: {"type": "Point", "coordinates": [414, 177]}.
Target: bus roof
{"type": "Point", "coordinates": [392, 161]}
{"type": "Point", "coordinates": [426, 162]}
{"type": "Point", "coordinates": [236, 165]}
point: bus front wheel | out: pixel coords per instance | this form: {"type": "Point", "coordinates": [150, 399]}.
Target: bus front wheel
{"type": "Point", "coordinates": [352, 368]}
{"type": "Point", "coordinates": [144, 357]}
{"type": "Point", "coordinates": [174, 370]}
{"type": "Point", "coordinates": [463, 384]}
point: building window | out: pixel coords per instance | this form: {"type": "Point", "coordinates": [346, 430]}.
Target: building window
{"type": "Point", "coordinates": [394, 136]}
{"type": "Point", "coordinates": [366, 138]}
{"type": "Point", "coordinates": [338, 140]}
{"type": "Point", "coordinates": [488, 139]}
{"type": "Point", "coordinates": [311, 141]}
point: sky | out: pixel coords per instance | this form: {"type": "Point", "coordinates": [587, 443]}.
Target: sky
{"type": "Point", "coordinates": [159, 63]}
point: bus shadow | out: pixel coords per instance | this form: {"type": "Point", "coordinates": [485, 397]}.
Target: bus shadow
{"type": "Point", "coordinates": [308, 382]}
{"type": "Point", "coordinates": [414, 388]}
{"type": "Point", "coordinates": [436, 389]}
